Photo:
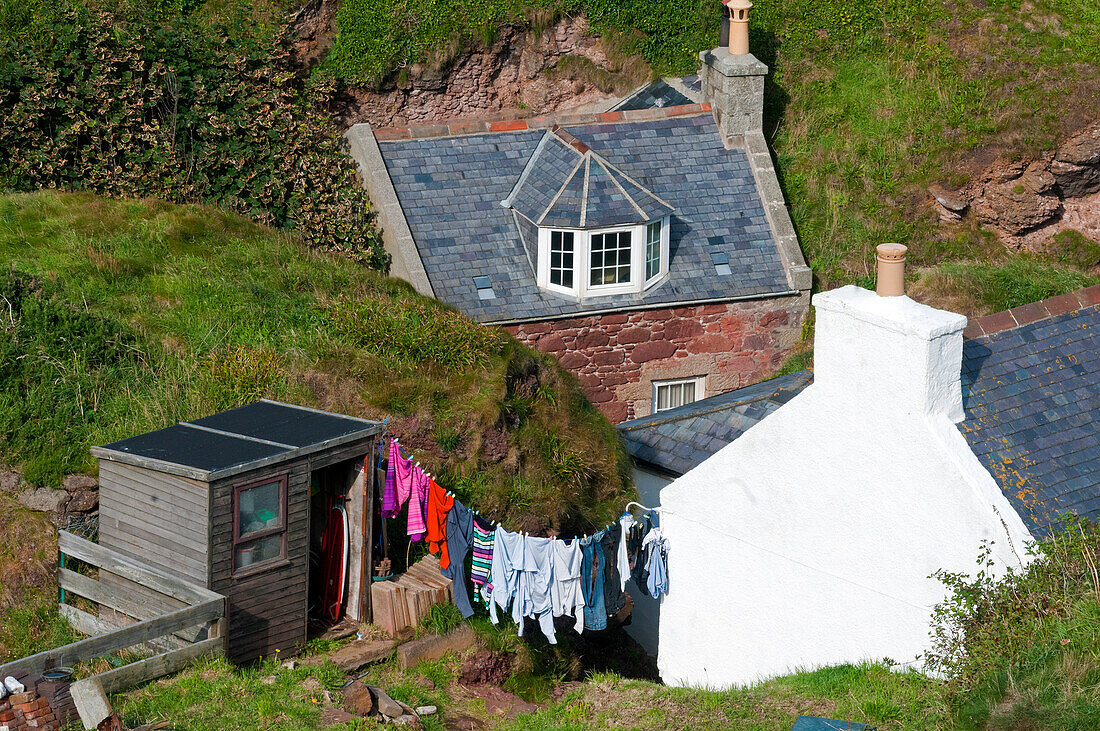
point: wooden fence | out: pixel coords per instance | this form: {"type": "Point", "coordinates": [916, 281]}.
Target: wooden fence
{"type": "Point", "coordinates": [196, 629]}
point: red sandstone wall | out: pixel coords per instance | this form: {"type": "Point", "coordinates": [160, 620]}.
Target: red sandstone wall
{"type": "Point", "coordinates": [617, 357]}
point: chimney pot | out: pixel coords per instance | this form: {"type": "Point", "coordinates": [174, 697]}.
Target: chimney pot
{"type": "Point", "coordinates": [891, 270]}
{"type": "Point", "coordinates": [739, 26]}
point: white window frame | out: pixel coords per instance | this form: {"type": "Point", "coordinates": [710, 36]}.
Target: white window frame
{"type": "Point", "coordinates": [661, 246]}
{"type": "Point", "coordinates": [575, 238]}
{"type": "Point", "coordinates": [700, 390]}
{"type": "Point", "coordinates": [582, 260]}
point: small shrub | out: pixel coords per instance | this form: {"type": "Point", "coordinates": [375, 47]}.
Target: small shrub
{"type": "Point", "coordinates": [414, 332]}
{"type": "Point", "coordinates": [1025, 645]}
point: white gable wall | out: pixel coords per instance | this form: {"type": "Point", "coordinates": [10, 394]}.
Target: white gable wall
{"type": "Point", "coordinates": [809, 540]}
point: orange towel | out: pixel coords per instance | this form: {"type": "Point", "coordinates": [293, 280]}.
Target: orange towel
{"type": "Point", "coordinates": [439, 504]}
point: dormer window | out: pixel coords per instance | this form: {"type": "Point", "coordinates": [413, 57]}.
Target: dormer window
{"type": "Point", "coordinates": [600, 232]}
{"type": "Point", "coordinates": [603, 261]}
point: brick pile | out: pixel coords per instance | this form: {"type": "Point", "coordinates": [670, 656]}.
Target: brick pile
{"type": "Point", "coordinates": [46, 704]}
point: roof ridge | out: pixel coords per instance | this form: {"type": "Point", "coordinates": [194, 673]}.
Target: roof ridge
{"type": "Point", "coordinates": [1015, 317]}
{"type": "Point", "coordinates": [545, 121]}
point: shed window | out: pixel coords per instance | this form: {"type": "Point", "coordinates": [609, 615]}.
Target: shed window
{"type": "Point", "coordinates": [259, 522]}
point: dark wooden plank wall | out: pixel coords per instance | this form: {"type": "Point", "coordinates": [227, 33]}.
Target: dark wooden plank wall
{"type": "Point", "coordinates": [267, 608]}
{"type": "Point", "coordinates": [158, 518]}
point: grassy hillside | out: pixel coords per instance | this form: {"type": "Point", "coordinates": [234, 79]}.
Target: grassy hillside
{"type": "Point", "coordinates": [122, 316]}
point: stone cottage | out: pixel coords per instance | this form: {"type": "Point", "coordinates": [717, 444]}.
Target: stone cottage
{"type": "Point", "coordinates": [648, 248]}
{"type": "Point", "coordinates": [807, 514]}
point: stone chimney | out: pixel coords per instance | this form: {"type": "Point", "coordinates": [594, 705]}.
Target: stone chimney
{"type": "Point", "coordinates": [873, 352]}
{"type": "Point", "coordinates": [732, 78]}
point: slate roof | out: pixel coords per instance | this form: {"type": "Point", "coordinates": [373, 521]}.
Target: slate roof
{"type": "Point", "coordinates": [450, 189]}
{"type": "Point", "coordinates": [565, 184]}
{"type": "Point", "coordinates": [1031, 391]}
{"type": "Point", "coordinates": [1032, 398]}
{"type": "Point", "coordinates": [659, 94]}
{"type": "Point", "coordinates": [676, 440]}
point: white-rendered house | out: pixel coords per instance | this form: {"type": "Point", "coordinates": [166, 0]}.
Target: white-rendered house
{"type": "Point", "coordinates": [811, 539]}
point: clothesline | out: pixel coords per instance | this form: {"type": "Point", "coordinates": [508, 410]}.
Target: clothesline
{"type": "Point", "coordinates": [409, 456]}
{"type": "Point", "coordinates": [537, 577]}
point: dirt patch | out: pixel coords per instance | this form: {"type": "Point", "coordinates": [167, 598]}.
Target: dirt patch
{"type": "Point", "coordinates": [485, 667]}
{"type": "Point", "coordinates": [499, 702]}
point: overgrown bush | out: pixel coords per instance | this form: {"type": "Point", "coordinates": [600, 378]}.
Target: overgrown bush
{"type": "Point", "coordinates": [1023, 651]}
{"type": "Point", "coordinates": [157, 103]}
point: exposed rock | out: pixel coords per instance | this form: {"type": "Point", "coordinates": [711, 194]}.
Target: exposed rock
{"type": "Point", "coordinates": [83, 502]}
{"type": "Point", "coordinates": [425, 710]}
{"type": "Point", "coordinates": [434, 647]}
{"type": "Point", "coordinates": [45, 500]}
{"type": "Point", "coordinates": [1076, 167]}
{"type": "Point", "coordinates": [486, 667]}
{"type": "Point", "coordinates": [11, 481]}
{"type": "Point", "coordinates": [358, 653]}
{"type": "Point", "coordinates": [359, 700]}
{"type": "Point", "coordinates": [514, 76]}
{"type": "Point", "coordinates": [334, 716]}
{"type": "Point", "coordinates": [951, 204]}
{"type": "Point", "coordinates": [387, 706]}
{"type": "Point", "coordinates": [76, 483]}
{"type": "Point", "coordinates": [499, 702]}
{"type": "Point", "coordinates": [1019, 203]}
{"type": "Point", "coordinates": [312, 685]}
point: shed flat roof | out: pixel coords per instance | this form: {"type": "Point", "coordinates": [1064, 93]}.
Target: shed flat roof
{"type": "Point", "coordinates": [238, 440]}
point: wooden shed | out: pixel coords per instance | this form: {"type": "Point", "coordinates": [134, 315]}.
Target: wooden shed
{"type": "Point", "coordinates": [238, 502]}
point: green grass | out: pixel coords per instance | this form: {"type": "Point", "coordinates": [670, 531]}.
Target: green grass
{"type": "Point", "coordinates": [212, 694]}
{"type": "Point", "coordinates": [992, 287]}
{"type": "Point", "coordinates": [139, 314]}
{"type": "Point", "coordinates": [868, 693]}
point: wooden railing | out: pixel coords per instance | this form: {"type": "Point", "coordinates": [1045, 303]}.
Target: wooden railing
{"type": "Point", "coordinates": [196, 629]}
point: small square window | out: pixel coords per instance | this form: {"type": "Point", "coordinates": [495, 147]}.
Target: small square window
{"type": "Point", "coordinates": [484, 287]}
{"type": "Point", "coordinates": [721, 261]}
{"type": "Point", "coordinates": [259, 523]}
{"type": "Point", "coordinates": [671, 394]}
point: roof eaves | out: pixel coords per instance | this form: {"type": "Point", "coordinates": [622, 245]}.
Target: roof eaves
{"type": "Point", "coordinates": [1006, 320]}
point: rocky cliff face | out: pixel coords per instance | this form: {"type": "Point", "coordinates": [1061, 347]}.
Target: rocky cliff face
{"type": "Point", "coordinates": [522, 73]}
{"type": "Point", "coordinates": [1028, 201]}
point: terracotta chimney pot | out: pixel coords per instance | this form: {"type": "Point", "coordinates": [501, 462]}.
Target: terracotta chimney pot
{"type": "Point", "coordinates": [891, 270]}
{"type": "Point", "coordinates": [739, 26]}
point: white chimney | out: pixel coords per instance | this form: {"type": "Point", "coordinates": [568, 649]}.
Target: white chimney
{"type": "Point", "coordinates": [890, 352]}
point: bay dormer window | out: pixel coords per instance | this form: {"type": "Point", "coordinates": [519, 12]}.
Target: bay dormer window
{"type": "Point", "coordinates": [591, 229]}
{"type": "Point", "coordinates": [601, 262]}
